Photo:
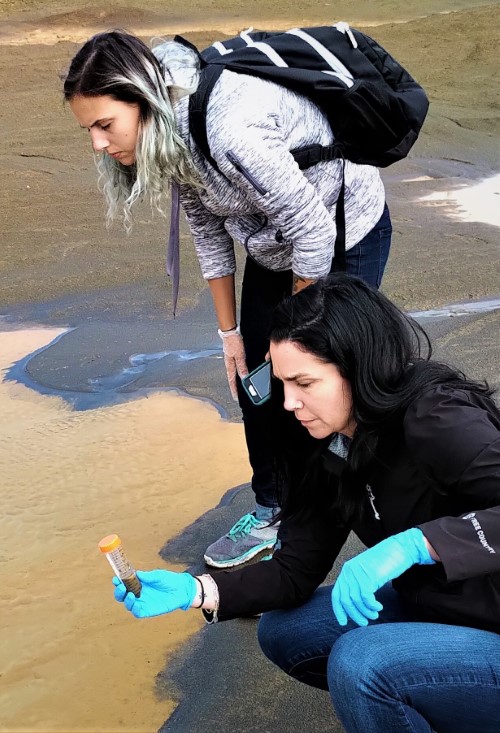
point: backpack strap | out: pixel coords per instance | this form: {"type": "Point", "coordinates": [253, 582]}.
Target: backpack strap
{"type": "Point", "coordinates": [198, 103]}
{"type": "Point", "coordinates": [339, 250]}
{"type": "Point", "coordinates": [310, 155]}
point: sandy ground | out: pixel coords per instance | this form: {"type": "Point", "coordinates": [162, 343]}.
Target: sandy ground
{"type": "Point", "coordinates": [70, 660]}
{"type": "Point", "coordinates": [53, 238]}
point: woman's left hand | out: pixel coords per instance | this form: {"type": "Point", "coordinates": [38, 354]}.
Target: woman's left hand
{"type": "Point", "coordinates": [353, 594]}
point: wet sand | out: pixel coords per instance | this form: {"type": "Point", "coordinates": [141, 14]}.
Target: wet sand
{"type": "Point", "coordinates": [73, 472]}
{"type": "Point", "coordinates": [73, 659]}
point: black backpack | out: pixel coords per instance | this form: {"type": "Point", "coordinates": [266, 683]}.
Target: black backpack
{"type": "Point", "coordinates": [374, 107]}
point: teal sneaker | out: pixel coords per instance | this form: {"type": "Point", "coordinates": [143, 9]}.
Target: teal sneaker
{"type": "Point", "coordinates": [245, 539]}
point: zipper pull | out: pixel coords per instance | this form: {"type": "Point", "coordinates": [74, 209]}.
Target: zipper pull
{"type": "Point", "coordinates": [371, 497]}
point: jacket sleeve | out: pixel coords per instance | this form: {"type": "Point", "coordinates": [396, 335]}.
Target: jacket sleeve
{"type": "Point", "coordinates": [251, 150]}
{"type": "Point", "coordinates": [307, 550]}
{"type": "Point", "coordinates": [455, 438]}
{"type": "Point", "coordinates": [214, 246]}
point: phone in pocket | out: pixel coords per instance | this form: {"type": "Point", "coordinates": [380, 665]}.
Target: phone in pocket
{"type": "Point", "coordinates": [257, 384]}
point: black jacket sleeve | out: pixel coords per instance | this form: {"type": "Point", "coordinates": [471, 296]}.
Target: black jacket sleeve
{"type": "Point", "coordinates": [454, 436]}
{"type": "Point", "coordinates": [307, 548]}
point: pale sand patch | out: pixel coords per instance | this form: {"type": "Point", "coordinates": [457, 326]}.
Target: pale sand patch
{"type": "Point", "coordinates": [470, 201]}
{"type": "Point", "coordinates": [80, 33]}
{"type": "Point", "coordinates": [72, 658]}
{"type": "Point", "coordinates": [417, 179]}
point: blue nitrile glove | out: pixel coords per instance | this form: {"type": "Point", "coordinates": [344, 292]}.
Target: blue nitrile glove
{"type": "Point", "coordinates": [162, 592]}
{"type": "Point", "coordinates": [354, 592]}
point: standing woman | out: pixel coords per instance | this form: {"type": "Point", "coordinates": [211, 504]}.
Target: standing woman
{"type": "Point", "coordinates": [134, 103]}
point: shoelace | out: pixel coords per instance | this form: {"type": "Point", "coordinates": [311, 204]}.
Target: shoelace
{"type": "Point", "coordinates": [243, 527]}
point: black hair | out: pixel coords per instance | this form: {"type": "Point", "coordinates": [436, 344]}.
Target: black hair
{"type": "Point", "coordinates": [383, 354]}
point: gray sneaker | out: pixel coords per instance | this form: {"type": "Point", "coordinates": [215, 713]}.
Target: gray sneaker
{"type": "Point", "coordinates": [245, 539]}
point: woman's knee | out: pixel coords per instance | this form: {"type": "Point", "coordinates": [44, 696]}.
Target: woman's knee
{"type": "Point", "coordinates": [297, 649]}
{"type": "Point", "coordinates": [273, 637]}
{"type": "Point", "coordinates": [296, 633]}
{"type": "Point", "coordinates": [368, 661]}
{"type": "Point", "coordinates": [289, 636]}
{"type": "Point", "coordinates": [353, 664]}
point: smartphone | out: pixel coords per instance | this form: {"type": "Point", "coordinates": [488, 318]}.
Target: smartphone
{"type": "Point", "coordinates": [257, 384]}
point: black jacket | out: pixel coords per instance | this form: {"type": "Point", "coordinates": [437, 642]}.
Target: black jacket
{"type": "Point", "coordinates": [438, 470]}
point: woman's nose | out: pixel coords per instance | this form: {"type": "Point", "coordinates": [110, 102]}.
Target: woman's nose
{"type": "Point", "coordinates": [290, 402]}
{"type": "Point", "coordinates": [99, 140]}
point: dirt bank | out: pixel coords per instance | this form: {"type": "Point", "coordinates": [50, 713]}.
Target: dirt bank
{"type": "Point", "coordinates": [54, 242]}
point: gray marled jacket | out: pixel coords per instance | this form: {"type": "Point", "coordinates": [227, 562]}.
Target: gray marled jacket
{"type": "Point", "coordinates": [283, 216]}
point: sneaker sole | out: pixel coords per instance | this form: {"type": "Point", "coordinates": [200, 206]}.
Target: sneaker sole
{"type": "Point", "coordinates": [233, 562]}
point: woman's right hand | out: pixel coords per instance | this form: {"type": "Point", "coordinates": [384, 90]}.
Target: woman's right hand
{"type": "Point", "coordinates": [234, 358]}
{"type": "Point", "coordinates": [162, 592]}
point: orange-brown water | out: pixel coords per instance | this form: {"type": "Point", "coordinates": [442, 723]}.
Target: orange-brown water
{"type": "Point", "coordinates": [72, 658]}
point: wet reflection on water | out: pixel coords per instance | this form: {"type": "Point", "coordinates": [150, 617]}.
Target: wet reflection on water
{"type": "Point", "coordinates": [139, 362]}
{"type": "Point", "coordinates": [460, 309]}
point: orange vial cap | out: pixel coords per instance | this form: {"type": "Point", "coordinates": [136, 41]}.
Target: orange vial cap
{"type": "Point", "coordinates": [109, 543]}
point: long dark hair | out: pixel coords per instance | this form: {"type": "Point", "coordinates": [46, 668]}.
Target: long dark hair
{"type": "Point", "coordinates": [384, 355]}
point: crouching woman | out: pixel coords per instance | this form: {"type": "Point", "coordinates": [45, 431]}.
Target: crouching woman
{"type": "Point", "coordinates": [405, 452]}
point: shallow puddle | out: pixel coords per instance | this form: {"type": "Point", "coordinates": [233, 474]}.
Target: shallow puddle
{"type": "Point", "coordinates": [72, 658]}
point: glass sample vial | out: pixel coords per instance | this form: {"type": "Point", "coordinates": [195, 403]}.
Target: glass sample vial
{"type": "Point", "coordinates": [111, 546]}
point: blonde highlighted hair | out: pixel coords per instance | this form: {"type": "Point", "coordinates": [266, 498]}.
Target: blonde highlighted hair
{"type": "Point", "coordinates": [118, 64]}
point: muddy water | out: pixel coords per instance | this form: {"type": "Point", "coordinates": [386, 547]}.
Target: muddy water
{"type": "Point", "coordinates": [72, 658]}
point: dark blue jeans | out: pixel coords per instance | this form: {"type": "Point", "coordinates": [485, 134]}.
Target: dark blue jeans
{"type": "Point", "coordinates": [395, 675]}
{"type": "Point", "coordinates": [262, 291]}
